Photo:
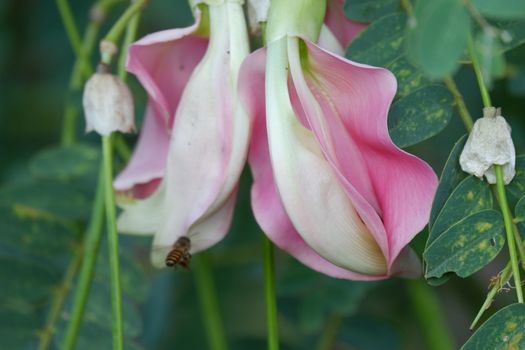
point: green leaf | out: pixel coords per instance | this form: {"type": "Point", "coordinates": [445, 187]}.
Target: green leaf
{"type": "Point", "coordinates": [450, 178]}
{"type": "Point", "coordinates": [438, 37]}
{"type": "Point", "coordinates": [514, 33]}
{"type": "Point", "coordinates": [467, 246]}
{"type": "Point", "coordinates": [505, 9]}
{"type": "Point", "coordinates": [420, 105]}
{"type": "Point", "coordinates": [519, 211]}
{"type": "Point", "coordinates": [366, 333]}
{"type": "Point", "coordinates": [54, 199]}
{"type": "Point", "coordinates": [319, 296]}
{"type": "Point", "coordinates": [369, 10]}
{"type": "Point", "coordinates": [420, 115]}
{"type": "Point", "coordinates": [381, 42]}
{"type": "Point", "coordinates": [505, 330]}
{"type": "Point", "coordinates": [490, 55]}
{"type": "Point", "coordinates": [517, 186]}
{"type": "Point", "coordinates": [65, 163]}
{"type": "Point", "coordinates": [470, 196]}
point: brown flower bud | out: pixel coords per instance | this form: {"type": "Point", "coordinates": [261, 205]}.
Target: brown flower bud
{"type": "Point", "coordinates": [108, 104]}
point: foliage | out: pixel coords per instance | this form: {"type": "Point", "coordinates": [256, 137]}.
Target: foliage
{"type": "Point", "coordinates": [47, 191]}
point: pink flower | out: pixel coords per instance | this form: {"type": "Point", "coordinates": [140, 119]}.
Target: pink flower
{"type": "Point", "coordinates": [186, 166]}
{"type": "Point", "coordinates": [330, 187]}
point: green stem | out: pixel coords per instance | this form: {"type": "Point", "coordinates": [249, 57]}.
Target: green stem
{"type": "Point", "coordinates": [519, 243]}
{"type": "Point", "coordinates": [58, 302]}
{"type": "Point", "coordinates": [131, 34]}
{"type": "Point", "coordinates": [69, 24]}
{"type": "Point", "coordinates": [87, 270]}
{"type": "Point", "coordinates": [208, 301]}
{"type": "Point", "coordinates": [503, 278]}
{"type": "Point", "coordinates": [507, 218]}
{"type": "Point", "coordinates": [116, 31]}
{"type": "Point", "coordinates": [430, 316]}
{"type": "Point", "coordinates": [500, 185]}
{"type": "Point", "coordinates": [460, 103]}
{"type": "Point", "coordinates": [479, 74]}
{"type": "Point", "coordinates": [116, 296]}
{"type": "Point", "coordinates": [407, 6]}
{"type": "Point", "coordinates": [270, 295]}
{"type": "Point", "coordinates": [330, 332]}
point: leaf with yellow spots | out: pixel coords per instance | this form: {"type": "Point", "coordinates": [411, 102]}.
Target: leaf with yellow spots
{"type": "Point", "coordinates": [422, 108]}
{"type": "Point", "coordinates": [450, 178]}
{"type": "Point", "coordinates": [467, 246]}
{"type": "Point", "coordinates": [505, 330]}
{"type": "Point", "coordinates": [470, 196]}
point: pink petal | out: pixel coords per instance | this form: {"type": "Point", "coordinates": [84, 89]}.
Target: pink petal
{"type": "Point", "coordinates": [163, 62]}
{"type": "Point", "coordinates": [208, 145]}
{"type": "Point", "coordinates": [148, 162]}
{"type": "Point", "coordinates": [267, 205]}
{"type": "Point", "coordinates": [354, 100]}
{"type": "Point", "coordinates": [343, 28]}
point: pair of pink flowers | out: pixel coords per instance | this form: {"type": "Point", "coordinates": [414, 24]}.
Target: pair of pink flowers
{"type": "Point", "coordinates": [330, 187]}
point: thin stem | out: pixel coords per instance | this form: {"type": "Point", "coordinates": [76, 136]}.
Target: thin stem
{"type": "Point", "coordinates": [460, 103]}
{"type": "Point", "coordinates": [430, 316]}
{"type": "Point", "coordinates": [208, 302]}
{"type": "Point", "coordinates": [116, 295]}
{"type": "Point", "coordinates": [507, 218]}
{"type": "Point", "coordinates": [330, 332]}
{"type": "Point", "coordinates": [503, 278]}
{"type": "Point", "coordinates": [131, 34]}
{"type": "Point", "coordinates": [81, 69]}
{"type": "Point", "coordinates": [91, 249]}
{"type": "Point", "coordinates": [519, 243]}
{"type": "Point", "coordinates": [479, 74]}
{"type": "Point", "coordinates": [407, 6]}
{"type": "Point", "coordinates": [58, 302]}
{"type": "Point", "coordinates": [69, 24]}
{"type": "Point", "coordinates": [270, 295]}
{"type": "Point", "coordinates": [116, 31]}
{"type": "Point", "coordinates": [500, 185]}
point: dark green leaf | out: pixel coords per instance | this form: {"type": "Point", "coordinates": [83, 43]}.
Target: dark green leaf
{"type": "Point", "coordinates": [514, 33]}
{"type": "Point", "coordinates": [47, 198]}
{"type": "Point", "coordinates": [505, 330]}
{"type": "Point", "coordinates": [450, 178]}
{"type": "Point", "coordinates": [438, 37]}
{"type": "Point", "coordinates": [420, 115]}
{"type": "Point", "coordinates": [421, 109]}
{"type": "Point", "coordinates": [519, 212]}
{"type": "Point", "coordinates": [517, 185]}
{"type": "Point", "coordinates": [369, 10]}
{"type": "Point", "coordinates": [467, 246]}
{"type": "Point", "coordinates": [65, 163]}
{"type": "Point", "coordinates": [490, 55]}
{"type": "Point", "coordinates": [366, 333]}
{"type": "Point", "coordinates": [381, 42]}
{"type": "Point", "coordinates": [505, 9]}
{"type": "Point", "coordinates": [34, 238]}
{"type": "Point", "coordinates": [470, 196]}
{"type": "Point", "coordinates": [319, 296]}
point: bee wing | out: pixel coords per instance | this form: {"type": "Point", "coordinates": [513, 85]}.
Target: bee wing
{"type": "Point", "coordinates": [158, 255]}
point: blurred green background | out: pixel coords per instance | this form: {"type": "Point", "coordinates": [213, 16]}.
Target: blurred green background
{"type": "Point", "coordinates": [45, 201]}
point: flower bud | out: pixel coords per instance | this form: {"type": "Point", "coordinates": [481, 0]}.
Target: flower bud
{"type": "Point", "coordinates": [489, 143]}
{"type": "Point", "coordinates": [108, 104]}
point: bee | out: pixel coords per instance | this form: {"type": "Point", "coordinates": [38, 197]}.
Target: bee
{"type": "Point", "coordinates": [180, 253]}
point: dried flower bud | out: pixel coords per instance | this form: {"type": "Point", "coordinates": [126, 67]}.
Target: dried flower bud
{"type": "Point", "coordinates": [489, 143]}
{"type": "Point", "coordinates": [108, 103]}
